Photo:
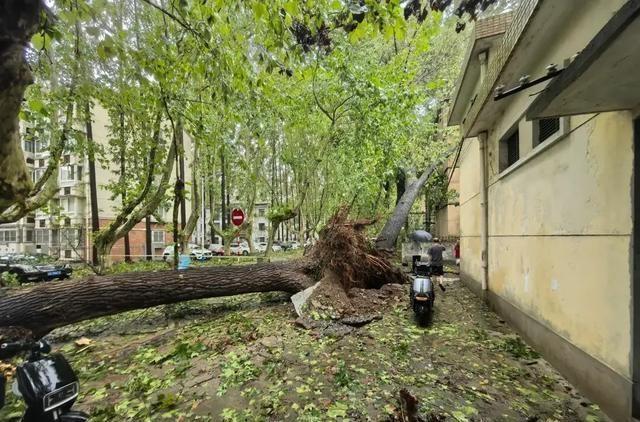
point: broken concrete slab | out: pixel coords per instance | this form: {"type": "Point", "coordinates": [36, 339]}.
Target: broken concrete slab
{"type": "Point", "coordinates": [300, 299]}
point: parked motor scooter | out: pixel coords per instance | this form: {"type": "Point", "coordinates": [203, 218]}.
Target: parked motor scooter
{"type": "Point", "coordinates": [46, 383]}
{"type": "Point", "coordinates": [422, 294]}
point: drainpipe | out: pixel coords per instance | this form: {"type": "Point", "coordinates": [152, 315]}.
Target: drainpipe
{"type": "Point", "coordinates": [484, 207]}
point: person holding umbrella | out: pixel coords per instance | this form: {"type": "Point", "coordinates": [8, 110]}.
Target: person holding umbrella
{"type": "Point", "coordinates": [437, 264]}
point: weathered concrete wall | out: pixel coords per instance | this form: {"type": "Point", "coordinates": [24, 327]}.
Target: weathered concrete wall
{"type": "Point", "coordinates": [448, 218]}
{"type": "Point", "coordinates": [559, 237]}
{"type": "Point", "coordinates": [560, 218]}
{"type": "Point", "coordinates": [470, 214]}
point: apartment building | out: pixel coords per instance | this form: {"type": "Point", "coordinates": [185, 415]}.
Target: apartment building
{"type": "Point", "coordinates": [62, 229]}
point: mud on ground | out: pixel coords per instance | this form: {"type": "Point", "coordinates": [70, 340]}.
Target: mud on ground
{"type": "Point", "coordinates": [244, 359]}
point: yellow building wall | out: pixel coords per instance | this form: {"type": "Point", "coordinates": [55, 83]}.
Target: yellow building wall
{"type": "Point", "coordinates": [560, 232]}
{"type": "Point", "coordinates": [470, 213]}
{"type": "Point", "coordinates": [448, 217]}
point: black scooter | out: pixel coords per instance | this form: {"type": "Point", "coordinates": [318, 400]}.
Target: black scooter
{"type": "Point", "coordinates": [422, 294]}
{"type": "Point", "coordinates": [45, 382]}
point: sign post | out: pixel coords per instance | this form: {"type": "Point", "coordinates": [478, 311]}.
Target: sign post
{"type": "Point", "coordinates": [237, 216]}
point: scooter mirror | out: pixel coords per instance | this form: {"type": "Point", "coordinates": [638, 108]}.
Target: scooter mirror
{"type": "Point", "coordinates": [43, 347]}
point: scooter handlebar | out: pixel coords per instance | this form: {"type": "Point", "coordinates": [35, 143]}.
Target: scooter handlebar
{"type": "Point", "coordinates": [8, 350]}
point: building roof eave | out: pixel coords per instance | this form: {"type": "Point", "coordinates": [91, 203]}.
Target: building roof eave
{"type": "Point", "coordinates": [604, 75]}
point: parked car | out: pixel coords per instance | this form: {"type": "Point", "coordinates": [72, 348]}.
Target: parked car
{"type": "Point", "coordinates": [195, 252]}
{"type": "Point", "coordinates": [24, 273]}
{"type": "Point", "coordinates": [295, 245]}
{"type": "Point", "coordinates": [216, 249]}
{"type": "Point", "coordinates": [262, 247]}
{"type": "Point", "coordinates": [53, 271]}
{"type": "Point", "coordinates": [239, 248]}
{"type": "Point", "coordinates": [199, 253]}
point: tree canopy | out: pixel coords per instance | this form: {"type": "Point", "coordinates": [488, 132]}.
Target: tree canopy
{"type": "Point", "coordinates": [305, 104]}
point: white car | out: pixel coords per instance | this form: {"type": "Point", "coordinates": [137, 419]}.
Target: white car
{"type": "Point", "coordinates": [294, 245]}
{"type": "Point", "coordinates": [241, 248]}
{"type": "Point", "coordinates": [195, 252]}
{"type": "Point", "coordinates": [216, 249]}
{"type": "Point", "coordinates": [262, 247]}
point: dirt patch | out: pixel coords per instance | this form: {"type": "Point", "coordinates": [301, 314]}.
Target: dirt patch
{"type": "Point", "coordinates": [330, 301]}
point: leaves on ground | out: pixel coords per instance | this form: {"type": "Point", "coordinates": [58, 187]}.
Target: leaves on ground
{"type": "Point", "coordinates": [243, 359]}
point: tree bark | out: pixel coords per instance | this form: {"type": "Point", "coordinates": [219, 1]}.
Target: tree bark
{"type": "Point", "coordinates": [45, 187]}
{"type": "Point", "coordinates": [47, 306]}
{"type": "Point", "coordinates": [19, 21]}
{"type": "Point", "coordinates": [387, 238]}
{"type": "Point", "coordinates": [223, 203]}
{"type": "Point", "coordinates": [148, 238]}
{"type": "Point", "coordinates": [194, 216]}
{"type": "Point", "coordinates": [123, 182]}
{"type": "Point", "coordinates": [93, 186]}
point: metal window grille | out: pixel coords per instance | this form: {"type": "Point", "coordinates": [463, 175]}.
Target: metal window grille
{"type": "Point", "coordinates": [513, 148]}
{"type": "Point", "coordinates": [547, 128]}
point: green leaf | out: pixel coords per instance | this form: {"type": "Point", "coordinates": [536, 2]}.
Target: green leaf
{"type": "Point", "coordinates": [259, 10]}
{"type": "Point", "coordinates": [38, 41]}
{"type": "Point", "coordinates": [37, 106]}
{"type": "Point", "coordinates": [337, 410]}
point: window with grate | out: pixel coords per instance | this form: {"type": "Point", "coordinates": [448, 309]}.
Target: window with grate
{"type": "Point", "coordinates": [67, 222]}
{"type": "Point", "coordinates": [43, 223]}
{"type": "Point", "coordinates": [547, 128]}
{"type": "Point", "coordinates": [29, 235]}
{"type": "Point", "coordinates": [67, 191]}
{"type": "Point", "coordinates": [509, 150]}
{"type": "Point", "coordinates": [262, 227]}
{"type": "Point", "coordinates": [67, 253]}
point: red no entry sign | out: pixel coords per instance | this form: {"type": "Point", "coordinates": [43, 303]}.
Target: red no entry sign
{"type": "Point", "coordinates": [237, 216]}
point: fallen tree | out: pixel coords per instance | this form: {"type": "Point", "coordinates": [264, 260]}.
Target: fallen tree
{"type": "Point", "coordinates": [343, 257]}
{"type": "Point", "coordinates": [45, 307]}
{"type": "Point", "coordinates": [342, 251]}
{"type": "Point", "coordinates": [388, 237]}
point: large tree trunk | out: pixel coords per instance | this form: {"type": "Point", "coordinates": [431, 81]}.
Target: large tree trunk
{"type": "Point", "coordinates": [93, 184]}
{"type": "Point", "coordinates": [47, 306]}
{"type": "Point", "coordinates": [194, 217]}
{"type": "Point", "coordinates": [387, 238]}
{"type": "Point", "coordinates": [19, 21]}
